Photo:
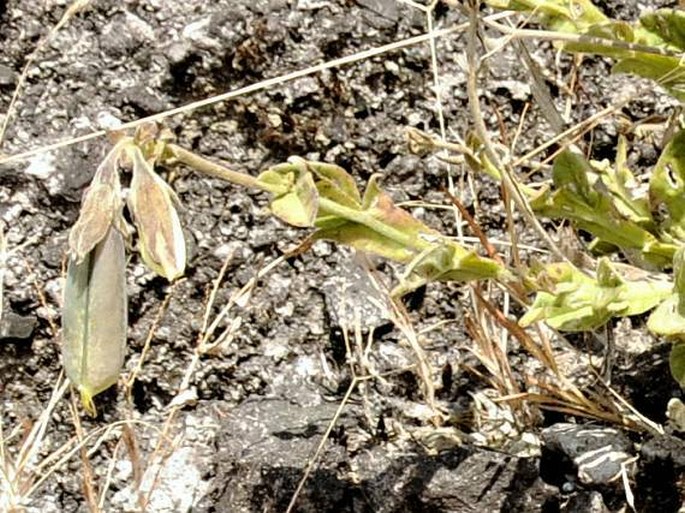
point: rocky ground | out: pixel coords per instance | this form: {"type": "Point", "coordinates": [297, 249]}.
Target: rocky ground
{"type": "Point", "coordinates": [252, 415]}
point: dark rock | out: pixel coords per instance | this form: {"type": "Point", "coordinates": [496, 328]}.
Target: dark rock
{"type": "Point", "coordinates": [462, 480]}
{"type": "Point", "coordinates": [648, 384]}
{"type": "Point", "coordinates": [573, 440]}
{"type": "Point", "coordinates": [144, 100]}
{"type": "Point", "coordinates": [661, 475]}
{"type": "Point", "coordinates": [665, 448]}
{"type": "Point", "coordinates": [585, 502]}
{"type": "Point", "coordinates": [266, 444]}
{"type": "Point", "coordinates": [53, 251]}
{"type": "Point", "coordinates": [596, 453]}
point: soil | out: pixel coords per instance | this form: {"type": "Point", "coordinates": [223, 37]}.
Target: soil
{"type": "Point", "coordinates": [255, 413]}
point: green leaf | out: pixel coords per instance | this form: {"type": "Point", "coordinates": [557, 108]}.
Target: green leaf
{"type": "Point", "coordinates": [571, 171]}
{"type": "Point", "coordinates": [584, 196]}
{"type": "Point", "coordinates": [668, 319]}
{"type": "Point", "coordinates": [667, 71]}
{"type": "Point", "coordinates": [298, 204]}
{"type": "Point", "coordinates": [575, 301]}
{"type": "Point", "coordinates": [378, 226]}
{"type": "Point", "coordinates": [668, 24]}
{"type": "Point", "coordinates": [609, 30]}
{"type": "Point", "coordinates": [94, 318]}
{"type": "Point", "coordinates": [667, 186]}
{"type": "Point", "coordinates": [298, 207]}
{"type": "Point", "coordinates": [628, 198]}
{"type": "Point", "coordinates": [676, 362]}
{"type": "Point", "coordinates": [563, 15]}
{"type": "Point", "coordinates": [372, 223]}
{"type": "Point", "coordinates": [336, 180]}
{"type": "Point", "coordinates": [377, 209]}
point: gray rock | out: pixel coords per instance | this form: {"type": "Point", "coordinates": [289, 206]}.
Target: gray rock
{"type": "Point", "coordinates": [123, 34]}
{"type": "Point", "coordinates": [7, 75]}
{"type": "Point", "coordinates": [585, 502]}
{"type": "Point", "coordinates": [144, 99]}
{"type": "Point", "coordinates": [264, 447]}
{"type": "Point", "coordinates": [665, 448]}
{"type": "Point", "coordinates": [597, 453]}
{"type": "Point", "coordinates": [17, 327]}
{"type": "Point", "coordinates": [351, 298]}
{"type": "Point", "coordinates": [573, 440]}
{"type": "Point", "coordinates": [380, 14]}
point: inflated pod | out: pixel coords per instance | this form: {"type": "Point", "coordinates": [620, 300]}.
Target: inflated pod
{"type": "Point", "coordinates": [152, 203]}
{"type": "Point", "coordinates": [94, 318]}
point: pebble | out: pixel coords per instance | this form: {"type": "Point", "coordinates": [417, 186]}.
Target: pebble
{"type": "Point", "coordinates": [7, 75]}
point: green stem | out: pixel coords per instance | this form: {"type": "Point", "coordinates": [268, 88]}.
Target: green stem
{"type": "Point", "coordinates": [361, 217]}
{"type": "Point", "coordinates": [210, 168]}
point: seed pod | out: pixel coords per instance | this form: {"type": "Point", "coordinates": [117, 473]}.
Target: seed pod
{"type": "Point", "coordinates": [94, 318]}
{"type": "Point", "coordinates": [151, 201]}
{"type": "Point", "coordinates": [101, 203]}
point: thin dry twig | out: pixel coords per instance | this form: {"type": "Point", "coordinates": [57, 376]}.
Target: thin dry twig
{"type": "Point", "coordinates": [317, 454]}
{"type": "Point", "coordinates": [252, 88]}
{"type": "Point", "coordinates": [128, 383]}
{"type": "Point", "coordinates": [89, 487]}
{"type": "Point", "coordinates": [508, 179]}
{"type": "Point", "coordinates": [72, 10]}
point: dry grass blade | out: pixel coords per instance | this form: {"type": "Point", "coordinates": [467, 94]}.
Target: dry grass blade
{"type": "Point", "coordinates": [166, 445]}
{"type": "Point", "coordinates": [492, 357]}
{"type": "Point", "coordinates": [61, 456]}
{"type": "Point", "coordinates": [19, 475]}
{"type": "Point", "coordinates": [3, 265]}
{"type": "Point", "coordinates": [508, 179]}
{"type": "Point", "coordinates": [89, 486]}
{"type": "Point", "coordinates": [475, 228]}
{"type": "Point", "coordinates": [252, 88]}
{"type": "Point", "coordinates": [540, 353]}
{"type": "Point", "coordinates": [148, 340]}
{"type": "Point", "coordinates": [70, 12]}
{"type": "Point", "coordinates": [576, 131]}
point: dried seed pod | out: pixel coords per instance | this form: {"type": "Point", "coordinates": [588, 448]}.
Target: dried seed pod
{"type": "Point", "coordinates": [94, 318]}
{"type": "Point", "coordinates": [151, 201]}
{"type": "Point", "coordinates": [101, 203]}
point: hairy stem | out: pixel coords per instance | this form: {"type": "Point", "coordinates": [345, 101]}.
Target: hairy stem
{"type": "Point", "coordinates": [210, 168]}
{"type": "Point", "coordinates": [361, 217]}
{"type": "Point", "coordinates": [215, 170]}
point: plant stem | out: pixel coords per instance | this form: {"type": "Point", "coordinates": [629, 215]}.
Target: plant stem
{"type": "Point", "coordinates": [210, 168]}
{"type": "Point", "coordinates": [361, 217]}
{"type": "Point", "coordinates": [603, 43]}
